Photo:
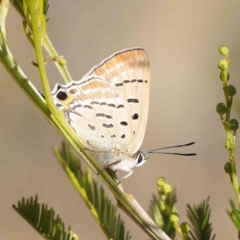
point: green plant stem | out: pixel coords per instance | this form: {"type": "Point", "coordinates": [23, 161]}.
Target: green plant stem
{"type": "Point", "coordinates": [20, 78]}
{"type": "Point", "coordinates": [230, 135]}
{"type": "Point", "coordinates": [53, 53]}
{"type": "Point", "coordinates": [179, 231]}
{"type": "Point", "coordinates": [62, 68]}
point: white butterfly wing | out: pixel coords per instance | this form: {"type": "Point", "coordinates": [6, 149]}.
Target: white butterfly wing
{"type": "Point", "coordinates": [108, 108]}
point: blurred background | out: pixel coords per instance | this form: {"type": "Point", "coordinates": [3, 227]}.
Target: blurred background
{"type": "Point", "coordinates": [181, 39]}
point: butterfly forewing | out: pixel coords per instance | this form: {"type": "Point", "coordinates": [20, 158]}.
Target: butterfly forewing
{"type": "Point", "coordinates": [108, 108]}
{"type": "Point", "coordinates": [129, 71]}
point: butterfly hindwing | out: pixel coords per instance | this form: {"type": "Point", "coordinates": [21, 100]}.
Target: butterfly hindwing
{"type": "Point", "coordinates": [97, 112]}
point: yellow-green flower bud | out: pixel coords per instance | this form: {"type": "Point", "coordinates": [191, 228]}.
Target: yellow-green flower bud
{"type": "Point", "coordinates": [223, 64]}
{"type": "Point", "coordinates": [223, 50]}
{"type": "Point", "coordinates": [160, 181]}
{"type": "Point", "coordinates": [221, 108]}
{"type": "Point", "coordinates": [227, 168]}
{"type": "Point", "coordinates": [231, 90]}
{"type": "Point", "coordinates": [234, 125]}
{"type": "Point", "coordinates": [161, 205]}
{"type": "Point", "coordinates": [166, 188]}
{"type": "Point", "coordinates": [174, 218]}
{"type": "Point", "coordinates": [185, 227]}
{"type": "Point", "coordinates": [229, 144]}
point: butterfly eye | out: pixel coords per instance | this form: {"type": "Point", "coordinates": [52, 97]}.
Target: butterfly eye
{"type": "Point", "coordinates": [140, 158]}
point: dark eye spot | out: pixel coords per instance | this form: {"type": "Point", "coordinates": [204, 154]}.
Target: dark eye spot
{"type": "Point", "coordinates": [124, 123]}
{"type": "Point", "coordinates": [62, 96]}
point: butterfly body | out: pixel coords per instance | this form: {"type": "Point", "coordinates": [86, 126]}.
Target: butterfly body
{"type": "Point", "coordinates": [108, 108]}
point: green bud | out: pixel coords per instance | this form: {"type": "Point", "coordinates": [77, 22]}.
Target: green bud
{"type": "Point", "coordinates": [161, 205]}
{"type": "Point", "coordinates": [223, 64]}
{"type": "Point", "coordinates": [223, 50]}
{"type": "Point", "coordinates": [222, 75]}
{"type": "Point", "coordinates": [231, 90]}
{"type": "Point", "coordinates": [174, 218]}
{"type": "Point", "coordinates": [221, 108]}
{"type": "Point", "coordinates": [185, 227]}
{"type": "Point", "coordinates": [166, 188]}
{"type": "Point", "coordinates": [227, 168]}
{"type": "Point", "coordinates": [60, 60]}
{"type": "Point", "coordinates": [160, 181]}
{"type": "Point", "coordinates": [234, 125]}
{"type": "Point", "coordinates": [229, 144]}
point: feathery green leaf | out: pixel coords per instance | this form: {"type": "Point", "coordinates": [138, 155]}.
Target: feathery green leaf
{"type": "Point", "coordinates": [42, 219]}
{"type": "Point", "coordinates": [101, 207]}
{"type": "Point", "coordinates": [234, 214]}
{"type": "Point", "coordinates": [199, 216]}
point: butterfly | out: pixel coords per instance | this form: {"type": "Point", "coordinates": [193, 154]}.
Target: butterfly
{"type": "Point", "coordinates": [108, 109]}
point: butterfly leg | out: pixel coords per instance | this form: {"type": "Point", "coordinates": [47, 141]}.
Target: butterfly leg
{"type": "Point", "coordinates": [130, 172]}
{"type": "Point", "coordinates": [109, 165]}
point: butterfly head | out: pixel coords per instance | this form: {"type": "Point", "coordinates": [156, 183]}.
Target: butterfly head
{"type": "Point", "coordinates": [140, 158]}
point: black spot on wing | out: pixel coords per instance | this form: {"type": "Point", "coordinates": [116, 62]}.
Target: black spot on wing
{"type": "Point", "coordinates": [91, 127]}
{"type": "Point", "coordinates": [58, 105]}
{"type": "Point", "coordinates": [103, 115]}
{"type": "Point", "coordinates": [62, 95]}
{"type": "Point", "coordinates": [107, 125]}
{"type": "Point", "coordinates": [120, 106]}
{"type": "Point", "coordinates": [135, 116]}
{"type": "Point", "coordinates": [123, 136]}
{"type": "Point", "coordinates": [111, 105]}
{"type": "Point", "coordinates": [124, 123]}
{"type": "Point", "coordinates": [76, 106]}
{"type": "Point", "coordinates": [88, 106]}
{"type": "Point", "coordinates": [95, 102]}
{"type": "Point", "coordinates": [133, 100]}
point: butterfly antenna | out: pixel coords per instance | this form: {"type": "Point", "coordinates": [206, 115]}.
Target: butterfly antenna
{"type": "Point", "coordinates": [176, 146]}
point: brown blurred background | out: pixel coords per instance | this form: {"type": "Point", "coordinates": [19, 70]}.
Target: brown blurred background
{"type": "Point", "coordinates": [181, 39]}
